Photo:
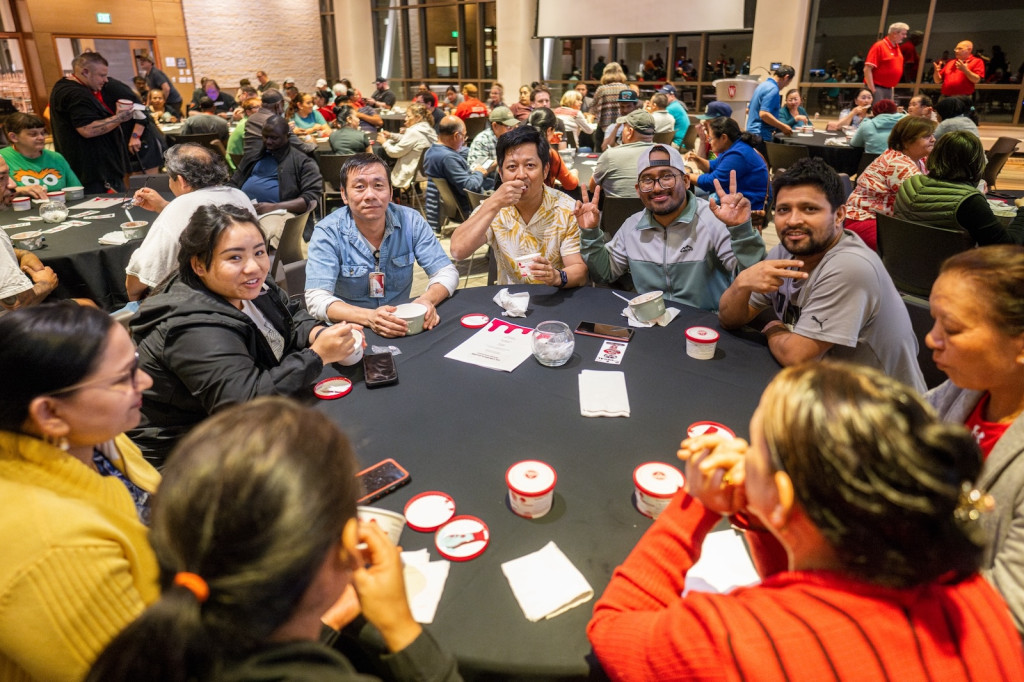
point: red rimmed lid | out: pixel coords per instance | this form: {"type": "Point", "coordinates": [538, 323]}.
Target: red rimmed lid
{"type": "Point", "coordinates": [531, 478]}
{"type": "Point", "coordinates": [708, 428]}
{"type": "Point", "coordinates": [21, 200]}
{"type": "Point", "coordinates": [702, 335]}
{"type": "Point", "coordinates": [475, 320]}
{"type": "Point", "coordinates": [429, 511]}
{"type": "Point", "coordinates": [463, 538]}
{"type": "Point", "coordinates": [657, 479]}
{"type": "Point", "coordinates": [57, 193]}
{"type": "Point", "coordinates": [333, 388]}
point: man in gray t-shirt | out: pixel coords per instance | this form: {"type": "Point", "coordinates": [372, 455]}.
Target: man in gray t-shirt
{"type": "Point", "coordinates": [830, 294]}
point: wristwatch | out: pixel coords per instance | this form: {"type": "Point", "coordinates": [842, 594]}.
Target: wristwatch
{"type": "Point", "coordinates": [565, 278]}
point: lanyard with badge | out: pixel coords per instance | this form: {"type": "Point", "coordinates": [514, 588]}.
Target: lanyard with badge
{"type": "Point", "coordinates": [376, 277]}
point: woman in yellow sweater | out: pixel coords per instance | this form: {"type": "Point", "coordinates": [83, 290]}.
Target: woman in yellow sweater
{"type": "Point", "coordinates": [76, 565]}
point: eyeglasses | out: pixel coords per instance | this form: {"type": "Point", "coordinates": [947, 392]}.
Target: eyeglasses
{"type": "Point", "coordinates": [665, 181]}
{"type": "Point", "coordinates": [131, 377]}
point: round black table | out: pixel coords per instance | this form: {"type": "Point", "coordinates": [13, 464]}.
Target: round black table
{"type": "Point", "coordinates": [844, 159]}
{"type": "Point", "coordinates": [84, 267]}
{"type": "Point", "coordinates": [458, 427]}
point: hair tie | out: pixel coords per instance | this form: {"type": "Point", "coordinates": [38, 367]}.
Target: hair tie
{"type": "Point", "coordinates": [972, 108]}
{"type": "Point", "coordinates": [972, 504]}
{"type": "Point", "coordinates": [194, 584]}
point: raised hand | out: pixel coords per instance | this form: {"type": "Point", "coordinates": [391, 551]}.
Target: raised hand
{"type": "Point", "coordinates": [732, 208]}
{"type": "Point", "coordinates": [588, 215]}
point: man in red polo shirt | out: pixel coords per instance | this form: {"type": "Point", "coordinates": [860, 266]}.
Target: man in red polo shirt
{"type": "Point", "coordinates": [883, 67]}
{"type": "Point", "coordinates": [471, 107]}
{"type": "Point", "coordinates": [958, 76]}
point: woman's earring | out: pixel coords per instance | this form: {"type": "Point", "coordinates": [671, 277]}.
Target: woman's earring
{"type": "Point", "coordinates": [59, 442]}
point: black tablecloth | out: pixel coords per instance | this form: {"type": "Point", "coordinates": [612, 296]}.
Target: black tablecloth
{"type": "Point", "coordinates": [458, 427]}
{"type": "Point", "coordinates": [84, 267]}
{"type": "Point", "coordinates": [843, 159]}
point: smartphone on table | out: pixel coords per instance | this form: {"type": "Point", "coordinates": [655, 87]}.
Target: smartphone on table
{"type": "Point", "coordinates": [380, 479]}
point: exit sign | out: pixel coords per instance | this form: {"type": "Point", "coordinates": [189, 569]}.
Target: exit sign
{"type": "Point", "coordinates": [103, 17]}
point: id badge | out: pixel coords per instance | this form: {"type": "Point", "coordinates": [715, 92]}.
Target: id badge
{"type": "Point", "coordinates": [376, 285]}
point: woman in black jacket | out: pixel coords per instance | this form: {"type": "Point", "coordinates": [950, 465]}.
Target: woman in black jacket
{"type": "Point", "coordinates": [222, 333]}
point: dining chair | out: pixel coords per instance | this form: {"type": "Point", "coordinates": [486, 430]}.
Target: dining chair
{"type": "Point", "coordinates": [289, 249]}
{"type": "Point", "coordinates": [211, 141]}
{"type": "Point", "coordinates": [330, 169]}
{"type": "Point", "coordinates": [912, 252]}
{"type": "Point", "coordinates": [616, 210]}
{"type": "Point", "coordinates": [475, 126]}
{"type": "Point", "coordinates": [160, 182]}
{"type": "Point", "coordinates": [665, 137]}
{"type": "Point", "coordinates": [782, 156]}
{"type": "Point", "coordinates": [922, 322]}
{"type": "Point", "coordinates": [865, 160]}
{"type": "Point", "coordinates": [997, 157]}
{"type": "Point", "coordinates": [689, 143]}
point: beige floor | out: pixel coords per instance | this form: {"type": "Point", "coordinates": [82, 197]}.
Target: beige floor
{"type": "Point", "coordinates": [1012, 177]}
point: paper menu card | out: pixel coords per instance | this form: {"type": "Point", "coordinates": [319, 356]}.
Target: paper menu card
{"type": "Point", "coordinates": [499, 345]}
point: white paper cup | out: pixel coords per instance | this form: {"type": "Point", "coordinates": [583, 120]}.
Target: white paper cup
{"type": "Point", "coordinates": [22, 204]}
{"type": "Point", "coordinates": [531, 488]}
{"type": "Point", "coordinates": [357, 354]}
{"type": "Point", "coordinates": [701, 342]}
{"type": "Point", "coordinates": [28, 241]}
{"type": "Point", "coordinates": [57, 196]}
{"type": "Point", "coordinates": [124, 104]}
{"type": "Point", "coordinates": [648, 307]}
{"type": "Point", "coordinates": [74, 192]}
{"type": "Point", "coordinates": [390, 522]}
{"type": "Point", "coordinates": [413, 314]}
{"type": "Point", "coordinates": [523, 263]}
{"type": "Point", "coordinates": [135, 229]}
{"type": "Point", "coordinates": [656, 484]}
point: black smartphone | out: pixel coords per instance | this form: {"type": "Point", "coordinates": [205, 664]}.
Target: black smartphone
{"type": "Point", "coordinates": [379, 370]}
{"type": "Point", "coordinates": [605, 331]}
{"type": "Point", "coordinates": [382, 478]}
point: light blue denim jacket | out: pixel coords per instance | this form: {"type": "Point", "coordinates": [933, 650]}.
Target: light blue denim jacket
{"type": "Point", "coordinates": [340, 259]}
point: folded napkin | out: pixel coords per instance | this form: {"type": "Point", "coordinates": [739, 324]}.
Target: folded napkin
{"type": "Point", "coordinates": [424, 583]}
{"type": "Point", "coordinates": [666, 317]}
{"type": "Point", "coordinates": [113, 238]}
{"type": "Point", "coordinates": [837, 142]}
{"type": "Point", "coordinates": [546, 584]}
{"type": "Point", "coordinates": [515, 305]}
{"type": "Point", "coordinates": [603, 394]}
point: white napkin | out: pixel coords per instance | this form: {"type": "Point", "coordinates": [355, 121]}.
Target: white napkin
{"type": "Point", "coordinates": [424, 583]}
{"type": "Point", "coordinates": [603, 394]}
{"type": "Point", "coordinates": [837, 142]}
{"type": "Point", "coordinates": [113, 238]}
{"type": "Point", "coordinates": [515, 305]}
{"type": "Point", "coordinates": [546, 584]}
{"type": "Point", "coordinates": [666, 317]}
{"type": "Point", "coordinates": [724, 565]}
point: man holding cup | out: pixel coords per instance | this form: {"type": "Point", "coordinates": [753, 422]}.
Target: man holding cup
{"type": "Point", "coordinates": [531, 228]}
{"type": "Point", "coordinates": [87, 125]}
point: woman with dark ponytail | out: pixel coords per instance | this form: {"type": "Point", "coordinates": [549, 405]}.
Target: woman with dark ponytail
{"type": "Point", "coordinates": [256, 535]}
{"type": "Point", "coordinates": [735, 150]}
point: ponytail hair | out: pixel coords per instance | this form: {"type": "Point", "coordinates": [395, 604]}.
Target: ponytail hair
{"type": "Point", "coordinates": [252, 501]}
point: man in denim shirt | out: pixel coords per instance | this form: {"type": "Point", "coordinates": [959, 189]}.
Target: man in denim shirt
{"type": "Point", "coordinates": [361, 256]}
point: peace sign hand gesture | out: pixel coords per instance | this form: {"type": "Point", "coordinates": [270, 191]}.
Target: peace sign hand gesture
{"type": "Point", "coordinates": [732, 208]}
{"type": "Point", "coordinates": [587, 214]}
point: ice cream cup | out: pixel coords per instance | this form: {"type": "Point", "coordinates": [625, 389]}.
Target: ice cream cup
{"type": "Point", "coordinates": [701, 342]}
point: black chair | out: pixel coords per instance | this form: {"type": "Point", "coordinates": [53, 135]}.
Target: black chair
{"type": "Point", "coordinates": [921, 320]}
{"type": "Point", "coordinates": [912, 252]}
{"type": "Point", "coordinates": [615, 211]}
{"type": "Point", "coordinates": [211, 141]}
{"type": "Point", "coordinates": [690, 138]}
{"type": "Point", "coordinates": [570, 139]}
{"type": "Point", "coordinates": [475, 126]}
{"type": "Point", "coordinates": [997, 157]}
{"type": "Point", "coordinates": [847, 185]}
{"type": "Point", "coordinates": [330, 169]}
{"type": "Point", "coordinates": [782, 156]}
{"type": "Point", "coordinates": [865, 161]}
{"type": "Point", "coordinates": [160, 182]}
